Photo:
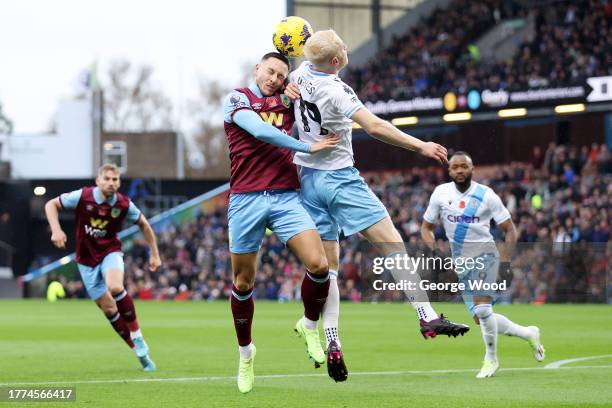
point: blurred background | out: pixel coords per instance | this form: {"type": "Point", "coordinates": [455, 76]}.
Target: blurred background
{"type": "Point", "coordinates": [524, 86]}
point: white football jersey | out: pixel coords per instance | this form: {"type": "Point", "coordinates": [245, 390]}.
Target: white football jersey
{"type": "Point", "coordinates": [326, 106]}
{"type": "Point", "coordinates": [466, 217]}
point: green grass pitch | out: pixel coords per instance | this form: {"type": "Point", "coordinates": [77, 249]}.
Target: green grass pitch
{"type": "Point", "coordinates": [70, 343]}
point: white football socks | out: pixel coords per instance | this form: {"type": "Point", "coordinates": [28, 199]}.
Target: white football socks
{"type": "Point", "coordinates": [331, 310]}
{"type": "Point", "coordinates": [488, 327]}
{"type": "Point", "coordinates": [509, 328]}
{"type": "Point", "coordinates": [246, 351]}
{"type": "Point", "coordinates": [135, 334]}
{"type": "Point", "coordinates": [310, 324]}
{"type": "Point", "coordinates": [424, 311]}
{"type": "Point", "coordinates": [418, 297]}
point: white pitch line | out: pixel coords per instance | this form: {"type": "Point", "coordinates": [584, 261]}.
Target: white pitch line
{"type": "Point", "coordinates": [277, 376]}
{"type": "Point", "coordinates": [561, 363]}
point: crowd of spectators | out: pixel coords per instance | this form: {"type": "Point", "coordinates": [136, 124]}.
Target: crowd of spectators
{"type": "Point", "coordinates": [572, 40]}
{"type": "Point", "coordinates": [561, 204]}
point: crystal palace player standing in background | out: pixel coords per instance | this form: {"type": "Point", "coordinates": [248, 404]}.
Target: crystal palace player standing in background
{"type": "Point", "coordinates": [100, 212]}
{"type": "Point", "coordinates": [466, 209]}
{"type": "Point", "coordinates": [263, 184]}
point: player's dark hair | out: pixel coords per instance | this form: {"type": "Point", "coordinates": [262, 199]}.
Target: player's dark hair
{"type": "Point", "coordinates": [278, 56]}
{"type": "Point", "coordinates": [461, 153]}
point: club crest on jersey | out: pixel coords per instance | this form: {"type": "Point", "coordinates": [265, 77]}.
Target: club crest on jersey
{"type": "Point", "coordinates": [102, 212]}
{"type": "Point", "coordinates": [256, 106]}
{"type": "Point", "coordinates": [115, 212]}
{"type": "Point", "coordinates": [285, 101]}
{"type": "Point", "coordinates": [98, 223]}
{"type": "Point", "coordinates": [89, 207]}
{"type": "Point", "coordinates": [461, 204]}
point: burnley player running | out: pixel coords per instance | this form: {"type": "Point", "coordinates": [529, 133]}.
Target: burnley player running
{"type": "Point", "coordinates": [466, 209]}
{"type": "Point", "coordinates": [263, 184]}
{"type": "Point", "coordinates": [100, 212]}
{"type": "Point", "coordinates": [334, 193]}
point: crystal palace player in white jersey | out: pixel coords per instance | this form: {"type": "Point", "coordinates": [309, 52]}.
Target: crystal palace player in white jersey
{"type": "Point", "coordinates": [334, 194]}
{"type": "Point", "coordinates": [466, 209]}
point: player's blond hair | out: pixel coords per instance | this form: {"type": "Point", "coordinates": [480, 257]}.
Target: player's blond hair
{"type": "Point", "coordinates": [322, 47]}
{"type": "Point", "coordinates": [109, 167]}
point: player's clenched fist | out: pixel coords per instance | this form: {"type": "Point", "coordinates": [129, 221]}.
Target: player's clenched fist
{"type": "Point", "coordinates": [292, 91]}
{"type": "Point", "coordinates": [154, 263]}
{"type": "Point", "coordinates": [59, 239]}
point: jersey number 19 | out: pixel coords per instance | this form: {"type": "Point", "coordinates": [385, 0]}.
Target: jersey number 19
{"type": "Point", "coordinates": [310, 109]}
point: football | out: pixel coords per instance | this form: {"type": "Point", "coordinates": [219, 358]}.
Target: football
{"type": "Point", "coordinates": [290, 35]}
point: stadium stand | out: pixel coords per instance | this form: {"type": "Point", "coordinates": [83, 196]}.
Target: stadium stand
{"type": "Point", "coordinates": [572, 41]}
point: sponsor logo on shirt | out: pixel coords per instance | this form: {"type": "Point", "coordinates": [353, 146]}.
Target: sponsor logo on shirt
{"type": "Point", "coordinates": [96, 228]}
{"type": "Point", "coordinates": [462, 219]}
{"type": "Point", "coordinates": [98, 223]}
{"type": "Point", "coordinates": [272, 118]}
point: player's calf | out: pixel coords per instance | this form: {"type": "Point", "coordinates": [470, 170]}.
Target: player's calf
{"type": "Point", "coordinates": [121, 328]}
{"type": "Point", "coordinates": [126, 307]}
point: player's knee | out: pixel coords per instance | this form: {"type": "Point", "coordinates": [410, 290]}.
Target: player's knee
{"type": "Point", "coordinates": [319, 267]}
{"type": "Point", "coordinates": [244, 281]}
{"type": "Point", "coordinates": [243, 285]}
{"type": "Point", "coordinates": [483, 311]}
{"type": "Point", "coordinates": [108, 308]}
{"type": "Point", "coordinates": [116, 289]}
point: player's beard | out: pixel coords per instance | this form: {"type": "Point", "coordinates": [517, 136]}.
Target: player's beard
{"type": "Point", "coordinates": [465, 184]}
{"type": "Point", "coordinates": [108, 193]}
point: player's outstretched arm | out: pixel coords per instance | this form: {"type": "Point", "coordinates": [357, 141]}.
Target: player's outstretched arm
{"type": "Point", "coordinates": [386, 132]}
{"type": "Point", "coordinates": [58, 236]}
{"type": "Point", "coordinates": [252, 123]}
{"type": "Point", "coordinates": [149, 236]}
